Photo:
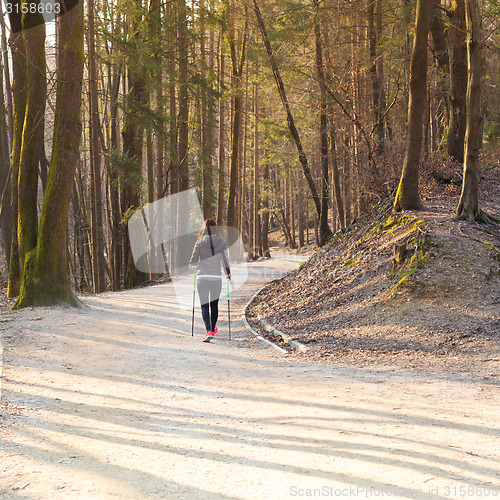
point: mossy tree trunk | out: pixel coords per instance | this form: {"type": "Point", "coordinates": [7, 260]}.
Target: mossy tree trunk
{"type": "Point", "coordinates": [468, 206]}
{"type": "Point", "coordinates": [20, 92]}
{"type": "Point", "coordinates": [31, 143]}
{"type": "Point", "coordinates": [47, 282]}
{"type": "Point", "coordinates": [407, 195]}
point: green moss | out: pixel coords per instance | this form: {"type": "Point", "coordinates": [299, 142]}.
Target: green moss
{"type": "Point", "coordinates": [25, 298]}
{"type": "Point", "coordinates": [328, 266]}
{"type": "Point", "coordinates": [352, 262]}
{"type": "Point", "coordinates": [417, 261]}
{"type": "Point", "coordinates": [489, 246]}
{"type": "Point", "coordinates": [397, 220]}
{"type": "Point", "coordinates": [376, 228]}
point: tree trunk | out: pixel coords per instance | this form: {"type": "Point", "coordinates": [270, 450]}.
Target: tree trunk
{"type": "Point", "coordinates": [115, 215]}
{"type": "Point", "coordinates": [237, 73]}
{"type": "Point", "coordinates": [95, 161]}
{"type": "Point", "coordinates": [207, 116]}
{"type": "Point", "coordinates": [265, 214]}
{"type": "Point", "coordinates": [300, 214]}
{"type": "Point", "coordinates": [133, 131]}
{"type": "Point", "coordinates": [336, 177]}
{"type": "Point", "coordinates": [346, 185]}
{"type": "Point", "coordinates": [374, 76]}
{"type": "Point", "coordinates": [324, 228]}
{"type": "Point", "coordinates": [253, 185]}
{"type": "Point", "coordinates": [458, 82]}
{"type": "Point", "coordinates": [78, 237]}
{"type": "Point", "coordinates": [48, 282]}
{"type": "Point", "coordinates": [5, 172]}
{"type": "Point", "coordinates": [468, 206]}
{"type": "Point", "coordinates": [19, 91]}
{"type": "Point", "coordinates": [156, 11]}
{"type": "Point", "coordinates": [380, 72]}
{"type": "Point", "coordinates": [32, 136]}
{"type": "Point", "coordinates": [222, 138]}
{"type": "Point", "coordinates": [257, 252]}
{"type": "Point", "coordinates": [8, 87]}
{"type": "Point", "coordinates": [173, 135]}
{"type": "Point", "coordinates": [183, 40]}
{"type": "Point", "coordinates": [407, 196]}
{"type": "Point", "coordinates": [291, 192]}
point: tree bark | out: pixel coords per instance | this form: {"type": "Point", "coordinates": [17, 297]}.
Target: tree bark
{"type": "Point", "coordinates": [458, 82]}
{"type": "Point", "coordinates": [385, 126]}
{"type": "Point", "coordinates": [300, 214]}
{"type": "Point", "coordinates": [468, 206]}
{"type": "Point", "coordinates": [8, 87]}
{"type": "Point", "coordinates": [237, 63]}
{"type": "Point", "coordinates": [407, 195]}
{"type": "Point", "coordinates": [265, 214]}
{"type": "Point", "coordinates": [5, 172]}
{"type": "Point", "coordinates": [324, 229]}
{"type": "Point", "coordinates": [20, 93]}
{"type": "Point", "coordinates": [374, 76]}
{"type": "Point", "coordinates": [173, 135]}
{"type": "Point", "coordinates": [48, 282]}
{"type": "Point", "coordinates": [336, 176]}
{"type": "Point", "coordinates": [95, 161]}
{"type": "Point", "coordinates": [183, 40]}
{"type": "Point", "coordinates": [132, 133]}
{"type": "Point", "coordinates": [207, 115]}
{"type": "Point", "coordinates": [32, 136]}
{"type": "Point", "coordinates": [115, 215]}
{"type": "Point", "coordinates": [257, 250]}
{"type": "Point", "coordinates": [222, 138]}
{"type": "Point", "coordinates": [156, 14]}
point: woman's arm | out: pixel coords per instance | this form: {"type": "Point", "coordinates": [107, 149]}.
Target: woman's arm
{"type": "Point", "coordinates": [195, 256]}
{"type": "Point", "coordinates": [225, 260]}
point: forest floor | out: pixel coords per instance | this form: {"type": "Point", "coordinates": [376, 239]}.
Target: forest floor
{"type": "Point", "coordinates": [434, 310]}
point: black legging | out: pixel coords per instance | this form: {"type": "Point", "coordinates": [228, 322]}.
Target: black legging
{"type": "Point", "coordinates": [209, 292]}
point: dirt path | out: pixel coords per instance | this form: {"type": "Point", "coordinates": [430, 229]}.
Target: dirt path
{"type": "Point", "coordinates": [118, 401]}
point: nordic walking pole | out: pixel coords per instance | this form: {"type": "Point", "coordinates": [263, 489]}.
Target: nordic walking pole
{"type": "Point", "coordinates": [194, 293]}
{"type": "Point", "coordinates": [228, 308]}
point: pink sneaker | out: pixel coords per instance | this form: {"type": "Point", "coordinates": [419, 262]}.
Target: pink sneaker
{"type": "Point", "coordinates": [215, 331]}
{"type": "Point", "coordinates": [208, 337]}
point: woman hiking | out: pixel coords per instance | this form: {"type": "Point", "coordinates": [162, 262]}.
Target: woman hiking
{"type": "Point", "coordinates": [210, 257]}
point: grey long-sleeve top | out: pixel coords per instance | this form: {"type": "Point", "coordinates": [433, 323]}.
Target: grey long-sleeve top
{"type": "Point", "coordinates": [210, 264]}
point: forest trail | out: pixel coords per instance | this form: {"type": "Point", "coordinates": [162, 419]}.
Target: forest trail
{"type": "Point", "coordinates": [116, 400]}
